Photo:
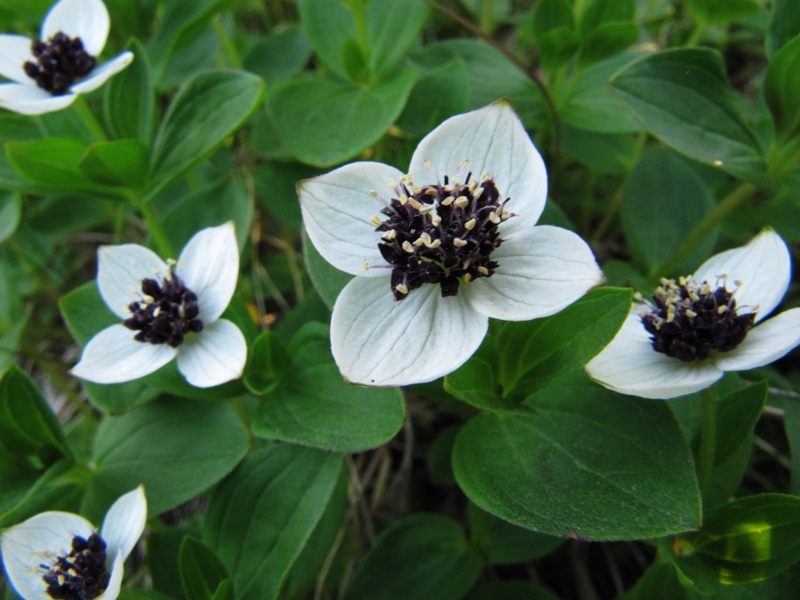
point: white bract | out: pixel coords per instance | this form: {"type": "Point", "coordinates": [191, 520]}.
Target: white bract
{"type": "Point", "coordinates": [170, 309]}
{"type": "Point", "coordinates": [47, 546]}
{"type": "Point", "coordinates": [443, 248]}
{"type": "Point", "coordinates": [750, 281]}
{"type": "Point", "coordinates": [84, 19]}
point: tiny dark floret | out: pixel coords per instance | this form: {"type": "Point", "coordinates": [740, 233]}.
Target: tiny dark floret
{"type": "Point", "coordinates": [689, 321]}
{"type": "Point", "coordinates": [442, 234]}
{"type": "Point", "coordinates": [81, 574]}
{"type": "Point", "coordinates": [167, 313]}
{"type": "Point", "coordinates": [60, 62]}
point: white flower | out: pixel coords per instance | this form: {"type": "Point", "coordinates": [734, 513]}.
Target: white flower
{"type": "Point", "coordinates": [169, 309]}
{"type": "Point", "coordinates": [427, 254]}
{"type": "Point", "coordinates": [708, 335]}
{"type": "Point", "coordinates": [46, 84]}
{"type": "Point", "coordinates": [46, 549]}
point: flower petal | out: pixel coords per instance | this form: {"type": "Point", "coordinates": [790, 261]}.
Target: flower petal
{"type": "Point", "coordinates": [124, 523]}
{"type": "Point", "coordinates": [209, 266]}
{"type": "Point", "coordinates": [629, 365]}
{"type": "Point", "coordinates": [33, 542]}
{"type": "Point", "coordinates": [15, 51]}
{"type": "Point", "coordinates": [102, 73]}
{"type": "Point", "coordinates": [113, 356]}
{"type": "Point", "coordinates": [120, 271]}
{"type": "Point", "coordinates": [765, 343]}
{"type": "Point", "coordinates": [493, 141]}
{"type": "Point", "coordinates": [30, 100]}
{"type": "Point", "coordinates": [114, 580]}
{"type": "Point", "coordinates": [541, 271]}
{"type": "Point", "coordinates": [86, 19]}
{"type": "Point", "coordinates": [337, 208]}
{"type": "Point", "coordinates": [377, 341]}
{"type": "Point", "coordinates": [214, 356]}
{"type": "Point", "coordinates": [763, 266]}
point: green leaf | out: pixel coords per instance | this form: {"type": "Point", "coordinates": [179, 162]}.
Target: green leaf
{"type": "Point", "coordinates": [477, 381]}
{"type": "Point", "coordinates": [118, 163]}
{"type": "Point", "coordinates": [552, 14]}
{"type": "Point", "coordinates": [440, 93]}
{"type": "Point", "coordinates": [26, 491]}
{"type": "Point", "coordinates": [262, 515]}
{"type": "Point", "coordinates": [781, 90]}
{"type": "Point", "coordinates": [202, 572]}
{"type": "Point", "coordinates": [438, 463]}
{"type": "Point", "coordinates": [592, 106]}
{"type": "Point", "coordinates": [387, 42]}
{"type": "Point", "coordinates": [328, 24]}
{"type": "Point", "coordinates": [354, 117]}
{"type": "Point", "coordinates": [10, 213]}
{"type": "Point", "coordinates": [607, 40]}
{"type": "Point", "coordinates": [743, 542]}
{"type": "Point", "coordinates": [268, 361]}
{"type": "Point", "coordinates": [10, 336]}
{"type": "Point", "coordinates": [602, 12]}
{"type": "Point", "coordinates": [664, 197]}
{"type": "Point", "coordinates": [278, 57]}
{"type": "Point", "coordinates": [178, 448]}
{"type": "Point", "coordinates": [327, 279]}
{"type": "Point", "coordinates": [207, 109]}
{"type": "Point", "coordinates": [669, 90]}
{"type": "Point", "coordinates": [506, 544]}
{"type": "Point", "coordinates": [556, 47]}
{"type": "Point", "coordinates": [511, 590]}
{"type": "Point", "coordinates": [535, 354]}
{"type": "Point", "coordinates": [52, 163]}
{"type": "Point", "coordinates": [720, 11]}
{"type": "Point", "coordinates": [137, 594]}
{"type": "Point", "coordinates": [602, 152]}
{"type": "Point", "coordinates": [314, 406]}
{"type": "Point", "coordinates": [418, 556]}
{"type": "Point", "coordinates": [27, 422]}
{"type": "Point", "coordinates": [785, 25]}
{"type": "Point", "coordinates": [629, 458]}
{"type": "Point", "coordinates": [129, 103]}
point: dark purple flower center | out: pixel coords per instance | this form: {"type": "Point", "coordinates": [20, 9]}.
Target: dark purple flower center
{"type": "Point", "coordinates": [689, 321]}
{"type": "Point", "coordinates": [167, 312]}
{"type": "Point", "coordinates": [60, 61]}
{"type": "Point", "coordinates": [81, 574]}
{"type": "Point", "coordinates": [442, 234]}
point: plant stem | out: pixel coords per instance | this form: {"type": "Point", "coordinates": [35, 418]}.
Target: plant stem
{"type": "Point", "coordinates": [729, 204]}
{"type": "Point", "coordinates": [486, 16]}
{"type": "Point", "coordinates": [708, 440]}
{"type": "Point", "coordinates": [227, 44]}
{"type": "Point", "coordinates": [157, 231]}
{"type": "Point", "coordinates": [88, 118]}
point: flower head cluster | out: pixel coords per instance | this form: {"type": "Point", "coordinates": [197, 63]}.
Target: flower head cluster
{"type": "Point", "coordinates": [438, 250]}
{"type": "Point", "coordinates": [169, 309]}
{"type": "Point", "coordinates": [696, 329]}
{"type": "Point", "coordinates": [50, 72]}
{"type": "Point", "coordinates": [60, 555]}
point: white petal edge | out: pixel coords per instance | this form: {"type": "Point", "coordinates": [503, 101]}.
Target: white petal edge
{"type": "Point", "coordinates": [541, 271]}
{"type": "Point", "coordinates": [120, 271]}
{"type": "Point", "coordinates": [30, 100]}
{"type": "Point", "coordinates": [115, 579]}
{"type": "Point", "coordinates": [379, 342]}
{"type": "Point", "coordinates": [102, 73]}
{"type": "Point", "coordinates": [764, 267]}
{"type": "Point", "coordinates": [15, 51]}
{"type": "Point", "coordinates": [124, 523]}
{"type": "Point", "coordinates": [765, 343]}
{"type": "Point", "coordinates": [209, 266]}
{"type": "Point", "coordinates": [493, 141]}
{"type": "Point", "coordinates": [629, 365]}
{"type": "Point", "coordinates": [30, 543]}
{"type": "Point", "coordinates": [87, 19]}
{"type": "Point", "coordinates": [337, 208]}
{"type": "Point", "coordinates": [113, 356]}
{"type": "Point", "coordinates": [214, 356]}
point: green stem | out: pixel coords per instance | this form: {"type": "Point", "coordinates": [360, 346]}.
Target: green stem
{"type": "Point", "coordinates": [157, 231]}
{"type": "Point", "coordinates": [227, 44]}
{"type": "Point", "coordinates": [486, 23]}
{"type": "Point", "coordinates": [708, 440]}
{"type": "Point", "coordinates": [728, 205]}
{"type": "Point", "coordinates": [88, 118]}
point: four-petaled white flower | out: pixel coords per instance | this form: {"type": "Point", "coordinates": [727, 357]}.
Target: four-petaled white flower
{"type": "Point", "coordinates": [62, 552]}
{"type": "Point", "coordinates": [451, 244]}
{"type": "Point", "coordinates": [701, 325]}
{"type": "Point", "coordinates": [49, 73]}
{"type": "Point", "coordinates": [169, 309]}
